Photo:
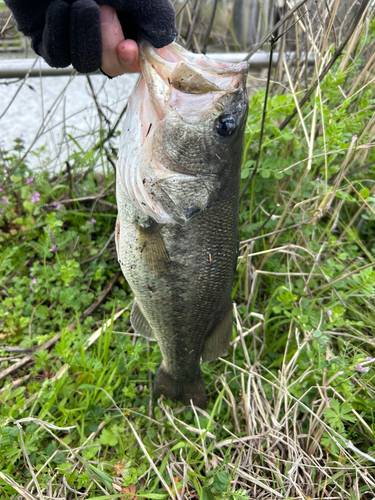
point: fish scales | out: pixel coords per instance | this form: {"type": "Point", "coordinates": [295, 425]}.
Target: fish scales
{"type": "Point", "coordinates": [178, 181]}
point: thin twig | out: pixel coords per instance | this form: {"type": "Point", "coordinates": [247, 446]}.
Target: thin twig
{"type": "Point", "coordinates": [96, 257]}
{"type": "Point", "coordinates": [209, 27]}
{"type": "Point", "coordinates": [274, 29]}
{"type": "Point", "coordinates": [29, 466]}
{"type": "Point", "coordinates": [264, 113]}
{"type": "Point", "coordinates": [193, 22]}
{"type": "Point", "coordinates": [337, 53]}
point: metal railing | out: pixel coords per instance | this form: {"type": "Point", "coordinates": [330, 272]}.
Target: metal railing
{"type": "Point", "coordinates": [20, 68]}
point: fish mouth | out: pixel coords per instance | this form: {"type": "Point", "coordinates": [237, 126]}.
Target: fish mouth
{"type": "Point", "coordinates": [182, 92]}
{"type": "Point", "coordinates": [173, 68]}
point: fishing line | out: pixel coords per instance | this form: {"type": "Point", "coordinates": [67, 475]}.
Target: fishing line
{"type": "Point", "coordinates": [337, 53]}
{"type": "Point", "coordinates": [273, 41]}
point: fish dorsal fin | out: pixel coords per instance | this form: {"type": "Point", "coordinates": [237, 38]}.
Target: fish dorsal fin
{"type": "Point", "coordinates": [152, 248]}
{"type": "Point", "coordinates": [140, 323]}
{"type": "Point", "coordinates": [186, 79]}
{"type": "Point", "coordinates": [217, 344]}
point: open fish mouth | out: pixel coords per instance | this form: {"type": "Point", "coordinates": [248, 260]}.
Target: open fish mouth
{"type": "Point", "coordinates": [189, 73]}
{"type": "Point", "coordinates": [178, 90]}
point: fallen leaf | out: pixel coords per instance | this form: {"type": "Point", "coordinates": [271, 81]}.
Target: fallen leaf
{"type": "Point", "coordinates": [118, 467]}
{"type": "Point", "coordinates": [176, 481]}
{"type": "Point", "coordinates": [129, 491]}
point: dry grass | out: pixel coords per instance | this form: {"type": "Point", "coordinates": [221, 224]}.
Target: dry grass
{"type": "Point", "coordinates": [270, 441]}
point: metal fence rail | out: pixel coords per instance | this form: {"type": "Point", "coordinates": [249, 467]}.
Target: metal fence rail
{"type": "Point", "coordinates": [19, 68]}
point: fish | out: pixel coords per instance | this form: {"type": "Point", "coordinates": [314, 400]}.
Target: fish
{"type": "Point", "coordinates": [177, 190]}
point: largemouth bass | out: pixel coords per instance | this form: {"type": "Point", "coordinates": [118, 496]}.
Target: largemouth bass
{"type": "Point", "coordinates": [178, 177]}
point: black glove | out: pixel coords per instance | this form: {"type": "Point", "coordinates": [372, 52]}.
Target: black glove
{"type": "Point", "coordinates": [67, 32]}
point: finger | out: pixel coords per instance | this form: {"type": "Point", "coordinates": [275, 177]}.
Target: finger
{"type": "Point", "coordinates": [55, 47]}
{"type": "Point", "coordinates": [85, 36]}
{"type": "Point", "coordinates": [119, 56]}
{"type": "Point", "coordinates": [112, 35]}
{"type": "Point", "coordinates": [128, 55]}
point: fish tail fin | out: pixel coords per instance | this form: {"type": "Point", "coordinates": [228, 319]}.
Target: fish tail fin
{"type": "Point", "coordinates": [184, 391]}
{"type": "Point", "coordinates": [194, 390]}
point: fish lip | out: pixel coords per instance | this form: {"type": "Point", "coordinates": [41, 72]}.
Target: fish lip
{"type": "Point", "coordinates": [148, 50]}
{"type": "Point", "coordinates": [216, 72]}
{"type": "Point", "coordinates": [165, 38]}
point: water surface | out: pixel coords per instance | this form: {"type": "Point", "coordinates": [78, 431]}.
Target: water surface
{"type": "Point", "coordinates": [45, 111]}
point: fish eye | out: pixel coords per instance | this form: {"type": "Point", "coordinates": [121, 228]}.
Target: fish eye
{"type": "Point", "coordinates": [225, 125]}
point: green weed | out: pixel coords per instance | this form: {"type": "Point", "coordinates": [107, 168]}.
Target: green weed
{"type": "Point", "coordinates": [290, 410]}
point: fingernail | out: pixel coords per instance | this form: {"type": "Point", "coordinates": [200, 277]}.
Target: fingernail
{"type": "Point", "coordinates": [129, 57]}
{"type": "Point", "coordinates": [106, 14]}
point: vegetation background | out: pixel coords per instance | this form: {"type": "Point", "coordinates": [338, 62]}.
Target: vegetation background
{"type": "Point", "coordinates": [291, 410]}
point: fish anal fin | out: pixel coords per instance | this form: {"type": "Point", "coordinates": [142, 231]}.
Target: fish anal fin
{"type": "Point", "coordinates": [140, 323]}
{"type": "Point", "coordinates": [185, 391]}
{"type": "Point", "coordinates": [152, 249]}
{"type": "Point", "coordinates": [217, 344]}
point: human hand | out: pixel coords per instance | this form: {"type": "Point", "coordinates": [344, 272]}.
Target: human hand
{"type": "Point", "coordinates": [67, 32]}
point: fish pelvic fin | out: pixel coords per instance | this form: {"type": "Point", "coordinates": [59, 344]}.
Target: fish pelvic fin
{"type": "Point", "coordinates": [152, 248]}
{"type": "Point", "coordinates": [140, 323]}
{"type": "Point", "coordinates": [185, 391]}
{"type": "Point", "coordinates": [217, 344]}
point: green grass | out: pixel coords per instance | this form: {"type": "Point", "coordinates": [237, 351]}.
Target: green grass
{"type": "Point", "coordinates": [290, 410]}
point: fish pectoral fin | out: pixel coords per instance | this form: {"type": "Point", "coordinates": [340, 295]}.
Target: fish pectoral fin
{"type": "Point", "coordinates": [217, 344]}
{"type": "Point", "coordinates": [152, 249]}
{"type": "Point", "coordinates": [140, 323]}
{"type": "Point", "coordinates": [183, 390]}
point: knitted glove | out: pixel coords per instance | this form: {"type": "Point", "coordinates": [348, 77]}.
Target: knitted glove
{"type": "Point", "coordinates": [67, 32]}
